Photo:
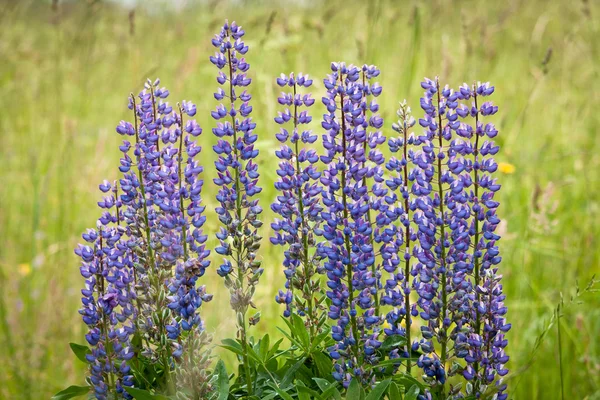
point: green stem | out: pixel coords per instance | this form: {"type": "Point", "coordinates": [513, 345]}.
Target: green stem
{"type": "Point", "coordinates": [560, 364]}
{"type": "Point", "coordinates": [238, 203]}
{"type": "Point", "coordinates": [183, 228]}
{"type": "Point", "coordinates": [407, 245]}
{"type": "Point", "coordinates": [370, 238]}
{"type": "Point", "coordinates": [476, 244]}
{"type": "Point", "coordinates": [444, 339]}
{"type": "Point", "coordinates": [349, 271]}
{"type": "Point", "coordinates": [312, 319]}
{"type": "Point", "coordinates": [107, 349]}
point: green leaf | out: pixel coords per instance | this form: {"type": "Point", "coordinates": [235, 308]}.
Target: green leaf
{"type": "Point", "coordinates": [318, 340]}
{"type": "Point", "coordinates": [379, 390]}
{"type": "Point", "coordinates": [80, 351]}
{"type": "Point", "coordinates": [71, 392]}
{"type": "Point", "coordinates": [288, 378]}
{"type": "Point", "coordinates": [270, 396]}
{"type": "Point", "coordinates": [232, 343]}
{"type": "Point", "coordinates": [284, 395]}
{"type": "Point", "coordinates": [222, 380]}
{"type": "Point", "coordinates": [408, 380]}
{"type": "Point", "coordinates": [290, 338]}
{"type": "Point", "coordinates": [306, 392]}
{"type": "Point", "coordinates": [394, 391]}
{"type": "Point", "coordinates": [412, 393]}
{"type": "Point", "coordinates": [392, 342]}
{"type": "Point", "coordinates": [353, 390]}
{"type": "Point", "coordinates": [323, 363]}
{"type": "Point", "coordinates": [264, 348]}
{"type": "Point", "coordinates": [300, 331]}
{"type": "Point", "coordinates": [274, 349]}
{"type": "Point", "coordinates": [141, 394]}
{"type": "Point", "coordinates": [329, 389]}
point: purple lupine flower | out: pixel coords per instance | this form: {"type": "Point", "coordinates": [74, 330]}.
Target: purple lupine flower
{"type": "Point", "coordinates": [368, 193]}
{"type": "Point", "coordinates": [236, 170]}
{"type": "Point", "coordinates": [434, 253]}
{"type": "Point", "coordinates": [348, 249]}
{"type": "Point", "coordinates": [237, 178]}
{"type": "Point", "coordinates": [483, 346]}
{"type": "Point", "coordinates": [107, 309]}
{"type": "Point", "coordinates": [401, 183]}
{"type": "Point", "coordinates": [185, 297]}
{"type": "Point", "coordinates": [298, 202]}
{"type": "Point", "coordinates": [163, 216]}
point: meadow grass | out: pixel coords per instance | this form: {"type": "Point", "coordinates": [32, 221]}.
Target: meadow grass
{"type": "Point", "coordinates": [64, 79]}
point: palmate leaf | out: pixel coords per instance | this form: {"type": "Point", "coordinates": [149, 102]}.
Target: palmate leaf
{"type": "Point", "coordinates": [71, 392]}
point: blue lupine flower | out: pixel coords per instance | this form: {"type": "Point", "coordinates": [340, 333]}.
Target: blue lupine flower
{"type": "Point", "coordinates": [352, 160]}
{"type": "Point", "coordinates": [237, 172]}
{"type": "Point", "coordinates": [298, 201]}
{"type": "Point", "coordinates": [107, 301]}
{"type": "Point", "coordinates": [185, 297]}
{"type": "Point", "coordinates": [483, 346]}
{"type": "Point", "coordinates": [237, 178]}
{"type": "Point", "coordinates": [401, 183]}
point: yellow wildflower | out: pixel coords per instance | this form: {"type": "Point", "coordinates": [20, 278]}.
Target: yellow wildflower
{"type": "Point", "coordinates": [24, 269]}
{"type": "Point", "coordinates": [506, 168]}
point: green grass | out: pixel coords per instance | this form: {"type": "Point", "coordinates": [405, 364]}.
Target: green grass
{"type": "Point", "coordinates": [65, 77]}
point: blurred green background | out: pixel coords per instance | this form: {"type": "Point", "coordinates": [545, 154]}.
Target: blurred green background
{"type": "Point", "coordinates": [66, 71]}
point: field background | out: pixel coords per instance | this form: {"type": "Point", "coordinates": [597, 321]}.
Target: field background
{"type": "Point", "coordinates": [65, 73]}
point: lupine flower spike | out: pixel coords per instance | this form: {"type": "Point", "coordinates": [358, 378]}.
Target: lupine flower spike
{"type": "Point", "coordinates": [237, 180]}
{"type": "Point", "coordinates": [349, 252]}
{"type": "Point", "coordinates": [298, 205]}
{"type": "Point", "coordinates": [107, 309]}
{"type": "Point", "coordinates": [482, 344]}
{"type": "Point", "coordinates": [401, 183]}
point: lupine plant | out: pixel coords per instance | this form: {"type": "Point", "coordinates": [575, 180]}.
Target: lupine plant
{"type": "Point", "coordinates": [237, 178]}
{"type": "Point", "coordinates": [389, 246]}
{"type": "Point", "coordinates": [298, 205]}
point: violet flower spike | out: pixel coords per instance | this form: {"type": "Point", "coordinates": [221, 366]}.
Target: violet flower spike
{"type": "Point", "coordinates": [237, 178]}
{"type": "Point", "coordinates": [298, 203]}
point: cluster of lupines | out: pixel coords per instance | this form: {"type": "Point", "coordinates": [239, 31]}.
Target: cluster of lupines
{"type": "Point", "coordinates": [460, 304]}
{"type": "Point", "coordinates": [237, 180]}
{"type": "Point", "coordinates": [411, 236]}
{"type": "Point", "coordinates": [142, 272]}
{"type": "Point", "coordinates": [298, 205]}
